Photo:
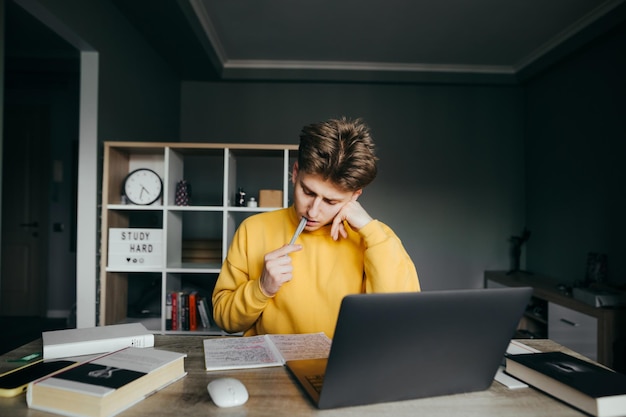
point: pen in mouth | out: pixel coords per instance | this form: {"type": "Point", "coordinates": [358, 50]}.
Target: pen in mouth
{"type": "Point", "coordinates": [299, 230]}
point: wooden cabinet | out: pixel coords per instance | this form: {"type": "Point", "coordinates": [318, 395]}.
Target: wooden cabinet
{"type": "Point", "coordinates": [192, 239]}
{"type": "Point", "coordinates": [553, 313]}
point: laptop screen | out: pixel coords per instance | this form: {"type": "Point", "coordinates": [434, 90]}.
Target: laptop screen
{"type": "Point", "coordinates": [390, 347]}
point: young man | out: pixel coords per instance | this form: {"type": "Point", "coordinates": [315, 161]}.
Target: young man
{"type": "Point", "coordinates": [267, 285]}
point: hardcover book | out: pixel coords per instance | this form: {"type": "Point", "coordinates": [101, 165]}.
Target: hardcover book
{"type": "Point", "coordinates": [95, 340]}
{"type": "Point", "coordinates": [108, 384]}
{"type": "Point", "coordinates": [589, 387]}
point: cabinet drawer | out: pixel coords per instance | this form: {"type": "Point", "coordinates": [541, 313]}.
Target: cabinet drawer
{"type": "Point", "coordinates": [574, 330]}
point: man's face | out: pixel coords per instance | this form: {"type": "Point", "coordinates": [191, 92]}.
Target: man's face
{"type": "Point", "coordinates": [317, 199]}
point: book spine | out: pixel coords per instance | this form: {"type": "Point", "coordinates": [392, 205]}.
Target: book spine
{"type": "Point", "coordinates": [174, 310]}
{"type": "Point", "coordinates": [181, 311]}
{"type": "Point", "coordinates": [184, 298]}
{"type": "Point", "coordinates": [204, 317]}
{"type": "Point", "coordinates": [168, 311]}
{"type": "Point", "coordinates": [209, 313]}
{"type": "Point", "coordinates": [193, 317]}
{"type": "Point", "coordinates": [65, 350]}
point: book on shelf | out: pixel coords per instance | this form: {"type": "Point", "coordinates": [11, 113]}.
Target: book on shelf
{"type": "Point", "coordinates": [175, 309]}
{"type": "Point", "coordinates": [263, 351]}
{"type": "Point", "coordinates": [591, 388]}
{"type": "Point", "coordinates": [186, 310]}
{"type": "Point", "coordinates": [204, 312]}
{"type": "Point", "coordinates": [201, 251]}
{"type": "Point", "coordinates": [193, 310]}
{"type": "Point", "coordinates": [108, 384]}
{"type": "Point", "coordinates": [183, 311]}
{"type": "Point", "coordinates": [168, 311]}
{"type": "Point", "coordinates": [94, 340]}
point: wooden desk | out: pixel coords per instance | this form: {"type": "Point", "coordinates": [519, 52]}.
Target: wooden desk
{"type": "Point", "coordinates": [274, 392]}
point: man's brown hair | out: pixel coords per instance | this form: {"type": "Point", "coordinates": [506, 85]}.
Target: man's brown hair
{"type": "Point", "coordinates": [339, 150]}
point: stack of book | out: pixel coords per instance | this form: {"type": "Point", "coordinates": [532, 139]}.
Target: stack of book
{"type": "Point", "coordinates": [107, 385]}
{"type": "Point", "coordinates": [594, 389]}
{"type": "Point", "coordinates": [186, 311]}
{"type": "Point", "coordinates": [202, 251]}
{"type": "Point", "coordinates": [111, 369]}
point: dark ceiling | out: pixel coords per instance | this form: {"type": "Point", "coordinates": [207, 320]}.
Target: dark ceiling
{"type": "Point", "coordinates": [368, 40]}
{"type": "Point", "coordinates": [491, 41]}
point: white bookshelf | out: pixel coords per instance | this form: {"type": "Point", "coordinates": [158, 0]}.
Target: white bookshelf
{"type": "Point", "coordinates": [215, 172]}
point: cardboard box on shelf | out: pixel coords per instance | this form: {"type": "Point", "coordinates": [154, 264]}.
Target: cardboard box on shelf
{"type": "Point", "coordinates": [270, 198]}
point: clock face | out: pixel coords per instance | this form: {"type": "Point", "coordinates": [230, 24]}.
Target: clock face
{"type": "Point", "coordinates": [143, 186]}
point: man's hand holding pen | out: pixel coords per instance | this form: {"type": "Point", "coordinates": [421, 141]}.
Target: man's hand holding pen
{"type": "Point", "coordinates": [277, 269]}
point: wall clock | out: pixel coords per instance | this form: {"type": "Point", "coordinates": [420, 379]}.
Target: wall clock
{"type": "Point", "coordinates": [143, 186]}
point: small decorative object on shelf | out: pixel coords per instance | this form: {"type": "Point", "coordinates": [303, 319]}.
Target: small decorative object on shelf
{"type": "Point", "coordinates": [240, 198]}
{"type": "Point", "coordinates": [516, 250]}
{"type": "Point", "coordinates": [183, 193]}
{"type": "Point", "coordinates": [252, 202]}
{"type": "Point", "coordinates": [270, 198]}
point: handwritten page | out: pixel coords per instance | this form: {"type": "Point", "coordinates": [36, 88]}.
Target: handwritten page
{"type": "Point", "coordinates": [263, 351]}
{"type": "Point", "coordinates": [301, 346]}
{"type": "Point", "coordinates": [239, 352]}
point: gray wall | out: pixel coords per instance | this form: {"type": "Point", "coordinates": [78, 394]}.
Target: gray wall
{"type": "Point", "coordinates": [575, 162]}
{"type": "Point", "coordinates": [451, 180]}
{"type": "Point", "coordinates": [138, 93]}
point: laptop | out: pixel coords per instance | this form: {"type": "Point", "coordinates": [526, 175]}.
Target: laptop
{"type": "Point", "coordinates": [400, 346]}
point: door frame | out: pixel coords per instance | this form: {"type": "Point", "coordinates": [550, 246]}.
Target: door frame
{"type": "Point", "coordinates": [87, 216]}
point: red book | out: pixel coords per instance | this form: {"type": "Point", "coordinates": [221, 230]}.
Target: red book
{"type": "Point", "coordinates": [193, 315]}
{"type": "Point", "coordinates": [174, 310]}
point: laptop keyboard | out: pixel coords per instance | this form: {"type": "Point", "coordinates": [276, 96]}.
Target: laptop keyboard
{"type": "Point", "coordinates": [316, 381]}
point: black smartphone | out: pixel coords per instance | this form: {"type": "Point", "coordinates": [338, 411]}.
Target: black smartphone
{"type": "Point", "coordinates": [15, 381]}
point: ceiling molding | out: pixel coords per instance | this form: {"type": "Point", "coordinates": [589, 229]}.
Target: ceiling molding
{"type": "Point", "coordinates": [365, 66]}
{"type": "Point", "coordinates": [597, 15]}
{"type": "Point", "coordinates": [209, 30]}
{"type": "Point", "coordinates": [365, 72]}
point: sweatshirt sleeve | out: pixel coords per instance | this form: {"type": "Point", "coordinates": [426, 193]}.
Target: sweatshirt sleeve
{"type": "Point", "coordinates": [388, 267]}
{"type": "Point", "coordinates": [237, 298]}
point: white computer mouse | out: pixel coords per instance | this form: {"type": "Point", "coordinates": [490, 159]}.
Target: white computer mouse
{"type": "Point", "coordinates": [227, 392]}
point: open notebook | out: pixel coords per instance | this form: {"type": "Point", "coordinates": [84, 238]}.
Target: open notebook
{"type": "Point", "coordinates": [390, 347]}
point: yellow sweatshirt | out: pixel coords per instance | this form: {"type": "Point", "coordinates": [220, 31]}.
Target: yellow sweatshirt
{"type": "Point", "coordinates": [324, 271]}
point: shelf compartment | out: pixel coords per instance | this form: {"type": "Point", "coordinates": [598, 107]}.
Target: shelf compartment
{"type": "Point", "coordinates": [120, 161]}
{"type": "Point", "coordinates": [180, 289]}
{"type": "Point", "coordinates": [244, 167]}
{"type": "Point", "coordinates": [144, 299]}
{"type": "Point", "coordinates": [202, 227]}
{"type": "Point", "coordinates": [203, 169]}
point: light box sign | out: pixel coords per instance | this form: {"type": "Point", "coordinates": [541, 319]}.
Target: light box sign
{"type": "Point", "coordinates": [134, 247]}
